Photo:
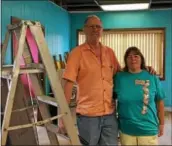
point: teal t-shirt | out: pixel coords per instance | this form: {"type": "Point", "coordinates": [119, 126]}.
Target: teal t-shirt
{"type": "Point", "coordinates": [130, 95]}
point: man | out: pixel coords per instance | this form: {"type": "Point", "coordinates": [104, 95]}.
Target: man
{"type": "Point", "coordinates": [92, 66]}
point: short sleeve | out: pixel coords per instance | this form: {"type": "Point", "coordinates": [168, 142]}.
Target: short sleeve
{"type": "Point", "coordinates": [160, 94]}
{"type": "Point", "coordinates": [72, 66]}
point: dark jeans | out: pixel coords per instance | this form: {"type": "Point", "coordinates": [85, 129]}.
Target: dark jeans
{"type": "Point", "coordinates": [102, 130]}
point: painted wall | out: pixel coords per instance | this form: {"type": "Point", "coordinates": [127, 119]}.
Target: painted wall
{"type": "Point", "coordinates": [55, 19]}
{"type": "Point", "coordinates": [59, 24]}
{"type": "Point", "coordinates": [135, 19]}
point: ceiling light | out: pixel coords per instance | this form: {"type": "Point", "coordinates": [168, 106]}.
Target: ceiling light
{"type": "Point", "coordinates": [125, 7]}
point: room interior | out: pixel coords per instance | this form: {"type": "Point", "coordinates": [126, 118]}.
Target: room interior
{"type": "Point", "coordinates": [62, 19]}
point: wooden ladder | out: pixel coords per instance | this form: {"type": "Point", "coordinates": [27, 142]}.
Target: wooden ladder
{"type": "Point", "coordinates": [48, 66]}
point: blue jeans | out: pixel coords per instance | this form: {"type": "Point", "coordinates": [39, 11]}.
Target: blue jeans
{"type": "Point", "coordinates": [102, 130]}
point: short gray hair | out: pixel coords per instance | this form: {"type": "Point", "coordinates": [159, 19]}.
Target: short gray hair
{"type": "Point", "coordinates": [89, 17]}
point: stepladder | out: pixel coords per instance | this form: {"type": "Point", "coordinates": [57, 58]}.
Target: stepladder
{"type": "Point", "coordinates": [26, 68]}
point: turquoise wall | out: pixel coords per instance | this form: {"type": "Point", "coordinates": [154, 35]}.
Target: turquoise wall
{"type": "Point", "coordinates": [135, 19]}
{"type": "Point", "coordinates": [60, 27]}
{"type": "Point", "coordinates": [55, 19]}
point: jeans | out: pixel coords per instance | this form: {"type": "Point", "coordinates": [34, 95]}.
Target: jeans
{"type": "Point", "coordinates": [102, 130]}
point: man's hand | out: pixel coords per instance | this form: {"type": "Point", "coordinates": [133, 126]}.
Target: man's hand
{"type": "Point", "coordinates": [151, 70]}
{"type": "Point", "coordinates": [68, 85]}
{"type": "Point", "coordinates": [61, 128]}
{"type": "Point", "coordinates": [161, 130]}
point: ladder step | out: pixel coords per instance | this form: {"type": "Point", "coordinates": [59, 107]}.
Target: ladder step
{"type": "Point", "coordinates": [23, 109]}
{"type": "Point", "coordinates": [22, 71]}
{"type": "Point", "coordinates": [48, 100]}
{"type": "Point", "coordinates": [35, 65]}
{"type": "Point", "coordinates": [36, 123]}
{"type": "Point", "coordinates": [6, 72]}
{"type": "Point", "coordinates": [52, 101]}
{"type": "Point", "coordinates": [30, 65]}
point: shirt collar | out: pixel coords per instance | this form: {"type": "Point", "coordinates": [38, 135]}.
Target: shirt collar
{"type": "Point", "coordinates": [87, 47]}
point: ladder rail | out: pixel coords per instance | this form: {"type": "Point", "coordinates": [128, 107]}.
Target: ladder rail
{"type": "Point", "coordinates": [55, 83]}
{"type": "Point", "coordinates": [13, 85]}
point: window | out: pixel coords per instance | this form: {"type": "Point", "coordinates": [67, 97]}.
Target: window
{"type": "Point", "coordinates": [149, 41]}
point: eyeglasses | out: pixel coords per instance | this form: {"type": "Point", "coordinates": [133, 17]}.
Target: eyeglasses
{"type": "Point", "coordinates": [145, 96]}
{"type": "Point", "coordinates": [94, 26]}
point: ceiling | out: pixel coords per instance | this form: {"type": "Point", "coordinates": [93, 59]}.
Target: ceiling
{"type": "Point", "coordinates": [94, 5]}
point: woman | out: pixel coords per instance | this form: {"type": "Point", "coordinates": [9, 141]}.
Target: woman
{"type": "Point", "coordinates": [140, 102]}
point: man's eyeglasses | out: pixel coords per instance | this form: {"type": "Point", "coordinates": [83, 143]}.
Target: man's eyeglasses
{"type": "Point", "coordinates": [94, 26]}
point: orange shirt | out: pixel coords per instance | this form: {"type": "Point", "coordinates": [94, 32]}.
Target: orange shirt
{"type": "Point", "coordinates": [94, 79]}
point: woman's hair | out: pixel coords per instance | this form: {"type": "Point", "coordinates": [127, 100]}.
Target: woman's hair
{"type": "Point", "coordinates": [137, 52]}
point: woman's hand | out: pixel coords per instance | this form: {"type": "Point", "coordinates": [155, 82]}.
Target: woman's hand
{"type": "Point", "coordinates": [161, 130]}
